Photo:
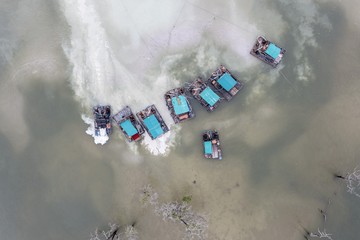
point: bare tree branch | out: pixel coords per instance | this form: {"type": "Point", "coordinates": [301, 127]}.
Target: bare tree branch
{"type": "Point", "coordinates": [130, 233]}
{"type": "Point", "coordinates": [353, 182]}
{"type": "Point", "coordinates": [149, 196]}
{"type": "Point", "coordinates": [114, 233]}
{"type": "Point", "coordinates": [321, 234]}
{"type": "Point", "coordinates": [173, 211]}
{"type": "Point", "coordinates": [195, 224]}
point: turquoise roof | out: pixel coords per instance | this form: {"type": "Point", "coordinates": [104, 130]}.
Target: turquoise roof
{"type": "Point", "coordinates": [153, 126]}
{"type": "Point", "coordinates": [227, 81]}
{"type": "Point", "coordinates": [209, 96]}
{"type": "Point", "coordinates": [128, 128]}
{"type": "Point", "coordinates": [180, 104]}
{"type": "Point", "coordinates": [208, 147]}
{"type": "Point", "coordinates": [273, 50]}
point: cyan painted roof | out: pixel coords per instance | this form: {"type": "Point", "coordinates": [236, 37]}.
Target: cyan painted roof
{"type": "Point", "coordinates": [153, 126]}
{"type": "Point", "coordinates": [128, 128]}
{"type": "Point", "coordinates": [208, 147]}
{"type": "Point", "coordinates": [273, 51]}
{"type": "Point", "coordinates": [209, 96]}
{"type": "Point", "coordinates": [180, 104]}
{"type": "Point", "coordinates": [227, 81]}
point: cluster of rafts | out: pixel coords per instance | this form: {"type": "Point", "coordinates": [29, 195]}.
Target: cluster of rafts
{"type": "Point", "coordinates": [221, 85]}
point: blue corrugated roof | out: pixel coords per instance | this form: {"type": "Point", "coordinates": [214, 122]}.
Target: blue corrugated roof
{"type": "Point", "coordinates": [273, 50]}
{"type": "Point", "coordinates": [128, 128]}
{"type": "Point", "coordinates": [227, 81]}
{"type": "Point", "coordinates": [153, 125]}
{"type": "Point", "coordinates": [209, 96]}
{"type": "Point", "coordinates": [208, 147]}
{"type": "Point", "coordinates": [180, 104]}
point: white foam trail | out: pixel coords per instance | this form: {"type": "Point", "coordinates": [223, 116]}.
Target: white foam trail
{"type": "Point", "coordinates": [99, 78]}
{"type": "Point", "coordinates": [102, 139]}
{"type": "Point", "coordinates": [159, 145]}
{"type": "Point", "coordinates": [122, 68]}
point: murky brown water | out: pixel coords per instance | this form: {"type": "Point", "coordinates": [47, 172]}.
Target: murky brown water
{"type": "Point", "coordinates": [283, 136]}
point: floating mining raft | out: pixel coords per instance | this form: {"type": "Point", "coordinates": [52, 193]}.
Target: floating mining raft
{"type": "Point", "coordinates": [221, 84]}
{"type": "Point", "coordinates": [178, 105]}
{"type": "Point", "coordinates": [267, 51]}
{"type": "Point", "coordinates": [152, 121]}
{"type": "Point", "coordinates": [225, 83]}
{"type": "Point", "coordinates": [129, 125]}
{"type": "Point", "coordinates": [102, 120]}
{"type": "Point", "coordinates": [211, 143]}
{"type": "Point", "coordinates": [204, 94]}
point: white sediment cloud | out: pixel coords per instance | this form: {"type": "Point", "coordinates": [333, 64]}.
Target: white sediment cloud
{"type": "Point", "coordinates": [115, 48]}
{"type": "Point", "coordinates": [98, 77]}
{"type": "Point", "coordinates": [305, 15]}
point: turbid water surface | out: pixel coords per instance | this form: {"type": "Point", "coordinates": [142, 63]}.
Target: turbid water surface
{"type": "Point", "coordinates": [283, 136]}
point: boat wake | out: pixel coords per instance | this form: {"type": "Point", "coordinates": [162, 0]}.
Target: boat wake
{"type": "Point", "coordinates": [123, 67]}
{"type": "Point", "coordinates": [102, 138]}
{"type": "Point", "coordinates": [98, 77]}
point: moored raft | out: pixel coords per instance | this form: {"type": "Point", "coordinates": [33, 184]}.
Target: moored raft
{"type": "Point", "coordinates": [211, 144]}
{"type": "Point", "coordinates": [225, 83]}
{"type": "Point", "coordinates": [152, 121]}
{"type": "Point", "coordinates": [129, 125]}
{"type": "Point", "coordinates": [178, 104]}
{"type": "Point", "coordinates": [204, 94]}
{"type": "Point", "coordinates": [102, 122]}
{"type": "Point", "coordinates": [267, 51]}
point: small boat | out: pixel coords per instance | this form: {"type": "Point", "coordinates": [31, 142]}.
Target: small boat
{"type": "Point", "coordinates": [212, 144]}
{"type": "Point", "coordinates": [178, 104]}
{"type": "Point", "coordinates": [152, 121]}
{"type": "Point", "coordinates": [129, 125]}
{"type": "Point", "coordinates": [225, 83]}
{"type": "Point", "coordinates": [102, 120]}
{"type": "Point", "coordinates": [267, 51]}
{"type": "Point", "coordinates": [204, 94]}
